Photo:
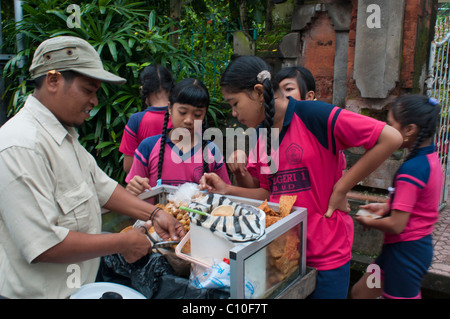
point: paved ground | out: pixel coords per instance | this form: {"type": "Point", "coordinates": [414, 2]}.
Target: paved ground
{"type": "Point", "coordinates": [437, 282]}
{"type": "Point", "coordinates": [441, 237]}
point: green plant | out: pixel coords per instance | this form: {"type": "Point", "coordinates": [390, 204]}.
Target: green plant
{"type": "Point", "coordinates": [128, 35]}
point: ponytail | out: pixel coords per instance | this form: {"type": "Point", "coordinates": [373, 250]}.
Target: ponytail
{"type": "Point", "coordinates": [162, 147]}
{"type": "Point", "coordinates": [242, 74]}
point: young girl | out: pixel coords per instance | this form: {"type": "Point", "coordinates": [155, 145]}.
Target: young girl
{"type": "Point", "coordinates": [295, 81]}
{"type": "Point", "coordinates": [176, 156]}
{"type": "Point", "coordinates": [156, 84]}
{"type": "Point", "coordinates": [298, 82]}
{"type": "Point", "coordinates": [413, 208]}
{"type": "Point", "coordinates": [307, 163]}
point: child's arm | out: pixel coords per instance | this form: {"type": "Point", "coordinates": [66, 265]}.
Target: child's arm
{"type": "Point", "coordinates": [388, 142]}
{"type": "Point", "coordinates": [138, 184]}
{"type": "Point", "coordinates": [214, 184]}
{"type": "Point", "coordinates": [236, 164]}
{"type": "Point", "coordinates": [394, 224]}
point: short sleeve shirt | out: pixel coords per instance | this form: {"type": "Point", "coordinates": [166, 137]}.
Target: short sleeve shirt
{"type": "Point", "coordinates": [177, 168]}
{"type": "Point", "coordinates": [49, 185]}
{"type": "Point", "coordinates": [418, 189]}
{"type": "Point", "coordinates": [142, 125]}
{"type": "Point", "coordinates": [308, 160]}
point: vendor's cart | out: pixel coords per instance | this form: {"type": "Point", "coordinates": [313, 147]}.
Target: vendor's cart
{"type": "Point", "coordinates": [276, 261]}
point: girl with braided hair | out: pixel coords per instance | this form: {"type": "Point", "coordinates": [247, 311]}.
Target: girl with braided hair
{"type": "Point", "coordinates": [181, 154]}
{"type": "Point", "coordinates": [307, 159]}
{"type": "Point", "coordinates": [295, 81]}
{"type": "Point", "coordinates": [156, 85]}
{"type": "Point", "coordinates": [413, 208]}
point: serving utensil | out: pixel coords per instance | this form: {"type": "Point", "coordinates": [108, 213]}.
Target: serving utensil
{"type": "Point", "coordinates": [193, 210]}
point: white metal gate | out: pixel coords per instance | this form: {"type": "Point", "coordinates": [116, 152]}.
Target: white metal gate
{"type": "Point", "coordinates": [438, 86]}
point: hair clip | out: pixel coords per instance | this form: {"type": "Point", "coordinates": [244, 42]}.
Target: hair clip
{"type": "Point", "coordinates": [433, 101]}
{"type": "Point", "coordinates": [159, 182]}
{"type": "Point", "coordinates": [263, 75]}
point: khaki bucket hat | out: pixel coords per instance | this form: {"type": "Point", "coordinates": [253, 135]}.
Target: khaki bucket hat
{"type": "Point", "coordinates": [67, 53]}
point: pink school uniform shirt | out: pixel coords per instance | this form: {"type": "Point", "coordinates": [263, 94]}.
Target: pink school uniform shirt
{"type": "Point", "coordinates": [418, 189]}
{"type": "Point", "coordinates": [142, 125]}
{"type": "Point", "coordinates": [309, 163]}
{"type": "Point", "coordinates": [177, 168]}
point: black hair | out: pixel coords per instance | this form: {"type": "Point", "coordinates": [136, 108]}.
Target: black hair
{"type": "Point", "coordinates": [421, 111]}
{"type": "Point", "coordinates": [187, 91]}
{"type": "Point", "coordinates": [154, 79]}
{"type": "Point", "coordinates": [242, 75]}
{"type": "Point", "coordinates": [304, 77]}
{"type": "Point", "coordinates": [68, 76]}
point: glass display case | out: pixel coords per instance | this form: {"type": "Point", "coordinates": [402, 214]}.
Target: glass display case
{"type": "Point", "coordinates": [266, 266]}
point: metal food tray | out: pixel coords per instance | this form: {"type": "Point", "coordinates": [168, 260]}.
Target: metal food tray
{"type": "Point", "coordinates": [241, 254]}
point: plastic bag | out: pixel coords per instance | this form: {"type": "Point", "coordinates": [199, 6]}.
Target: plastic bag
{"type": "Point", "coordinates": [142, 275]}
{"type": "Point", "coordinates": [184, 194]}
{"type": "Point", "coordinates": [216, 277]}
{"type": "Point", "coordinates": [153, 277]}
{"type": "Point", "coordinates": [173, 287]}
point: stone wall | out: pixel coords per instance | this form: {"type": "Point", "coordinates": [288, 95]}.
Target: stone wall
{"type": "Point", "coordinates": [363, 54]}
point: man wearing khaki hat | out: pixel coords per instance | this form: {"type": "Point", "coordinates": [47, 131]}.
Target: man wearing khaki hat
{"type": "Point", "coordinates": [51, 189]}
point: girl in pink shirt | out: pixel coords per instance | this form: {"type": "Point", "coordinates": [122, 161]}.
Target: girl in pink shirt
{"type": "Point", "coordinates": [413, 208]}
{"type": "Point", "coordinates": [295, 81]}
{"type": "Point", "coordinates": [305, 160]}
{"type": "Point", "coordinates": [177, 155]}
{"type": "Point", "coordinates": [156, 84]}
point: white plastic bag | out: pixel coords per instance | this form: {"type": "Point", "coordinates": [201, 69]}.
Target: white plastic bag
{"type": "Point", "coordinates": [216, 277]}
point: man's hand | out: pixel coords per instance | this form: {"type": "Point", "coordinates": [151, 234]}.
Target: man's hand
{"type": "Point", "coordinates": [167, 226]}
{"type": "Point", "coordinates": [137, 244]}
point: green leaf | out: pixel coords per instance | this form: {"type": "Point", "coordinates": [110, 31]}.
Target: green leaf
{"type": "Point", "coordinates": [112, 49]}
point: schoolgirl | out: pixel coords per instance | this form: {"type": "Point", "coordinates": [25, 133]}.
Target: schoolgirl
{"type": "Point", "coordinates": [295, 81]}
{"type": "Point", "coordinates": [305, 161]}
{"type": "Point", "coordinates": [413, 208]}
{"type": "Point", "coordinates": [177, 155]}
{"type": "Point", "coordinates": [156, 84]}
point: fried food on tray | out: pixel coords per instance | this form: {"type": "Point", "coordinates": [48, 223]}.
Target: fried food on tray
{"type": "Point", "coordinates": [180, 215]}
{"type": "Point", "coordinates": [270, 220]}
{"type": "Point", "coordinates": [266, 209]}
{"type": "Point", "coordinates": [286, 203]}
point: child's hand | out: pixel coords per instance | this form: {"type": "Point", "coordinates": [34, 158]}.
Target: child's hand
{"type": "Point", "coordinates": [376, 208]}
{"type": "Point", "coordinates": [213, 183]}
{"type": "Point", "coordinates": [236, 163]}
{"type": "Point", "coordinates": [338, 200]}
{"type": "Point", "coordinates": [138, 184]}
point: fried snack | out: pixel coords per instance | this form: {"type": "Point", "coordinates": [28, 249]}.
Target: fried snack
{"type": "Point", "coordinates": [286, 203]}
{"type": "Point", "coordinates": [180, 215]}
{"type": "Point", "coordinates": [270, 220]}
{"type": "Point", "coordinates": [276, 247]}
{"type": "Point", "coordinates": [266, 209]}
{"type": "Point", "coordinates": [283, 257]}
{"type": "Point", "coordinates": [223, 210]}
{"type": "Point", "coordinates": [186, 248]}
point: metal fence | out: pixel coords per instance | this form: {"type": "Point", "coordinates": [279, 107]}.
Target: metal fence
{"type": "Point", "coordinates": [211, 43]}
{"type": "Point", "coordinates": [438, 86]}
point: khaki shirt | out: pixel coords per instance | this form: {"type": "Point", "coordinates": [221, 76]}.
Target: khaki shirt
{"type": "Point", "coordinates": [49, 184]}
